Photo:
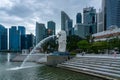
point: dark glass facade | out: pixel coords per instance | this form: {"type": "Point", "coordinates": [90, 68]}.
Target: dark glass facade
{"type": "Point", "coordinates": [51, 28]}
{"type": "Point", "coordinates": [29, 41]}
{"type": "Point", "coordinates": [78, 18]}
{"type": "Point", "coordinates": [3, 38]}
{"type": "Point", "coordinates": [22, 32]}
{"type": "Point", "coordinates": [14, 39]}
{"type": "Point", "coordinates": [111, 10]}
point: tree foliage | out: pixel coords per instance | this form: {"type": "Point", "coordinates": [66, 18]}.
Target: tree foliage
{"type": "Point", "coordinates": [99, 46]}
{"type": "Point", "coordinates": [114, 43]}
{"type": "Point", "coordinates": [72, 42]}
{"type": "Point", "coordinates": [84, 45]}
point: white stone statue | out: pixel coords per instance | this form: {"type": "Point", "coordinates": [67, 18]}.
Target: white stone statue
{"type": "Point", "coordinates": [62, 41]}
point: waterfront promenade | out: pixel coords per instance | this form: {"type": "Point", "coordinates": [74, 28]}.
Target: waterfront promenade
{"type": "Point", "coordinates": [100, 65]}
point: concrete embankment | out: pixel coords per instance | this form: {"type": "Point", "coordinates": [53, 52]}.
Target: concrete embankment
{"type": "Point", "coordinates": [32, 58]}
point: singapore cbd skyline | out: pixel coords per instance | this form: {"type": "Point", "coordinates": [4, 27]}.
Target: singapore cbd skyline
{"type": "Point", "coordinates": [20, 13]}
{"type": "Point", "coordinates": [59, 39]}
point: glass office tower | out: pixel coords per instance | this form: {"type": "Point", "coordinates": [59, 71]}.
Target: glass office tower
{"type": "Point", "coordinates": [111, 10]}
{"type": "Point", "coordinates": [3, 38]}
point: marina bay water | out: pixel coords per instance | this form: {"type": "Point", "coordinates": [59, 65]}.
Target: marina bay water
{"type": "Point", "coordinates": [37, 72]}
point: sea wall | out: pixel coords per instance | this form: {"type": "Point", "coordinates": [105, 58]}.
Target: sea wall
{"type": "Point", "coordinates": [32, 58]}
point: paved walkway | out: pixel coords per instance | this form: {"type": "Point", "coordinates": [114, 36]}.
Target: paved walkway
{"type": "Point", "coordinates": [100, 55]}
{"type": "Point", "coordinates": [101, 65]}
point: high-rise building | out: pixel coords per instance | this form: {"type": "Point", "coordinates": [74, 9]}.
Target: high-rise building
{"type": "Point", "coordinates": [81, 30]}
{"type": "Point", "coordinates": [89, 18]}
{"type": "Point", "coordinates": [29, 41]}
{"type": "Point", "coordinates": [100, 26]}
{"type": "Point", "coordinates": [64, 18]}
{"type": "Point", "coordinates": [66, 23]}
{"type": "Point", "coordinates": [78, 18]}
{"type": "Point", "coordinates": [3, 38]}
{"type": "Point", "coordinates": [22, 32]}
{"type": "Point", "coordinates": [69, 27]}
{"type": "Point", "coordinates": [40, 32]}
{"type": "Point", "coordinates": [50, 28]}
{"type": "Point", "coordinates": [14, 39]}
{"type": "Point", "coordinates": [111, 13]}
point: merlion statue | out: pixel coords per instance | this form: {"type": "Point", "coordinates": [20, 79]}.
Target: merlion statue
{"type": "Point", "coordinates": [62, 41]}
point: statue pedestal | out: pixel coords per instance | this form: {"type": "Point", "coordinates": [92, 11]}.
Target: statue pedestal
{"type": "Point", "coordinates": [57, 58]}
{"type": "Point", "coordinates": [60, 53]}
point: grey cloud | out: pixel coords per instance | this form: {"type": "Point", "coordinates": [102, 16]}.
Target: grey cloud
{"type": "Point", "coordinates": [20, 10]}
{"type": "Point", "coordinates": [27, 12]}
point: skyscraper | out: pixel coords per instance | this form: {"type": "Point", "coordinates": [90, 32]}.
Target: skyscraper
{"type": "Point", "coordinates": [40, 32]}
{"type": "Point", "coordinates": [111, 12]}
{"type": "Point", "coordinates": [69, 27]}
{"type": "Point", "coordinates": [14, 39]}
{"type": "Point", "coordinates": [100, 22]}
{"type": "Point", "coordinates": [78, 18]}
{"type": "Point", "coordinates": [89, 18]}
{"type": "Point", "coordinates": [64, 18]}
{"type": "Point", "coordinates": [29, 41]}
{"type": "Point", "coordinates": [51, 28]}
{"type": "Point", "coordinates": [3, 38]}
{"type": "Point", "coordinates": [22, 32]}
{"type": "Point", "coordinates": [66, 23]}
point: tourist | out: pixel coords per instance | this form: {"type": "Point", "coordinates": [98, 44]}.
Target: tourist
{"type": "Point", "coordinates": [115, 54]}
{"type": "Point", "coordinates": [83, 53]}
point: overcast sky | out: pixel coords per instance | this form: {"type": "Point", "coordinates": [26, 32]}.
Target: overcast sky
{"type": "Point", "coordinates": [27, 12]}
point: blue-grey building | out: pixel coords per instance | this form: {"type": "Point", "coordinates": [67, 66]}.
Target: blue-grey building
{"type": "Point", "coordinates": [64, 18]}
{"type": "Point", "coordinates": [82, 30]}
{"type": "Point", "coordinates": [78, 18]}
{"type": "Point", "coordinates": [100, 22]}
{"type": "Point", "coordinates": [111, 12]}
{"type": "Point", "coordinates": [51, 28]}
{"type": "Point", "coordinates": [69, 27]}
{"type": "Point", "coordinates": [14, 39]}
{"type": "Point", "coordinates": [89, 18]}
{"type": "Point", "coordinates": [3, 38]}
{"type": "Point", "coordinates": [40, 32]}
{"type": "Point", "coordinates": [66, 23]}
{"type": "Point", "coordinates": [22, 32]}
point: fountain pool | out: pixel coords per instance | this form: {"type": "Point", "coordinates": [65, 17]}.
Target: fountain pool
{"type": "Point", "coordinates": [40, 72]}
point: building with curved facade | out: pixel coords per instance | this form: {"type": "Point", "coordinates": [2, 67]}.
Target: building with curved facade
{"type": "Point", "coordinates": [66, 23]}
{"type": "Point", "coordinates": [64, 18]}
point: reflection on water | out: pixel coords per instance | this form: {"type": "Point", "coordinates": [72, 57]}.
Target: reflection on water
{"type": "Point", "coordinates": [38, 73]}
{"type": "Point", "coordinates": [52, 73]}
